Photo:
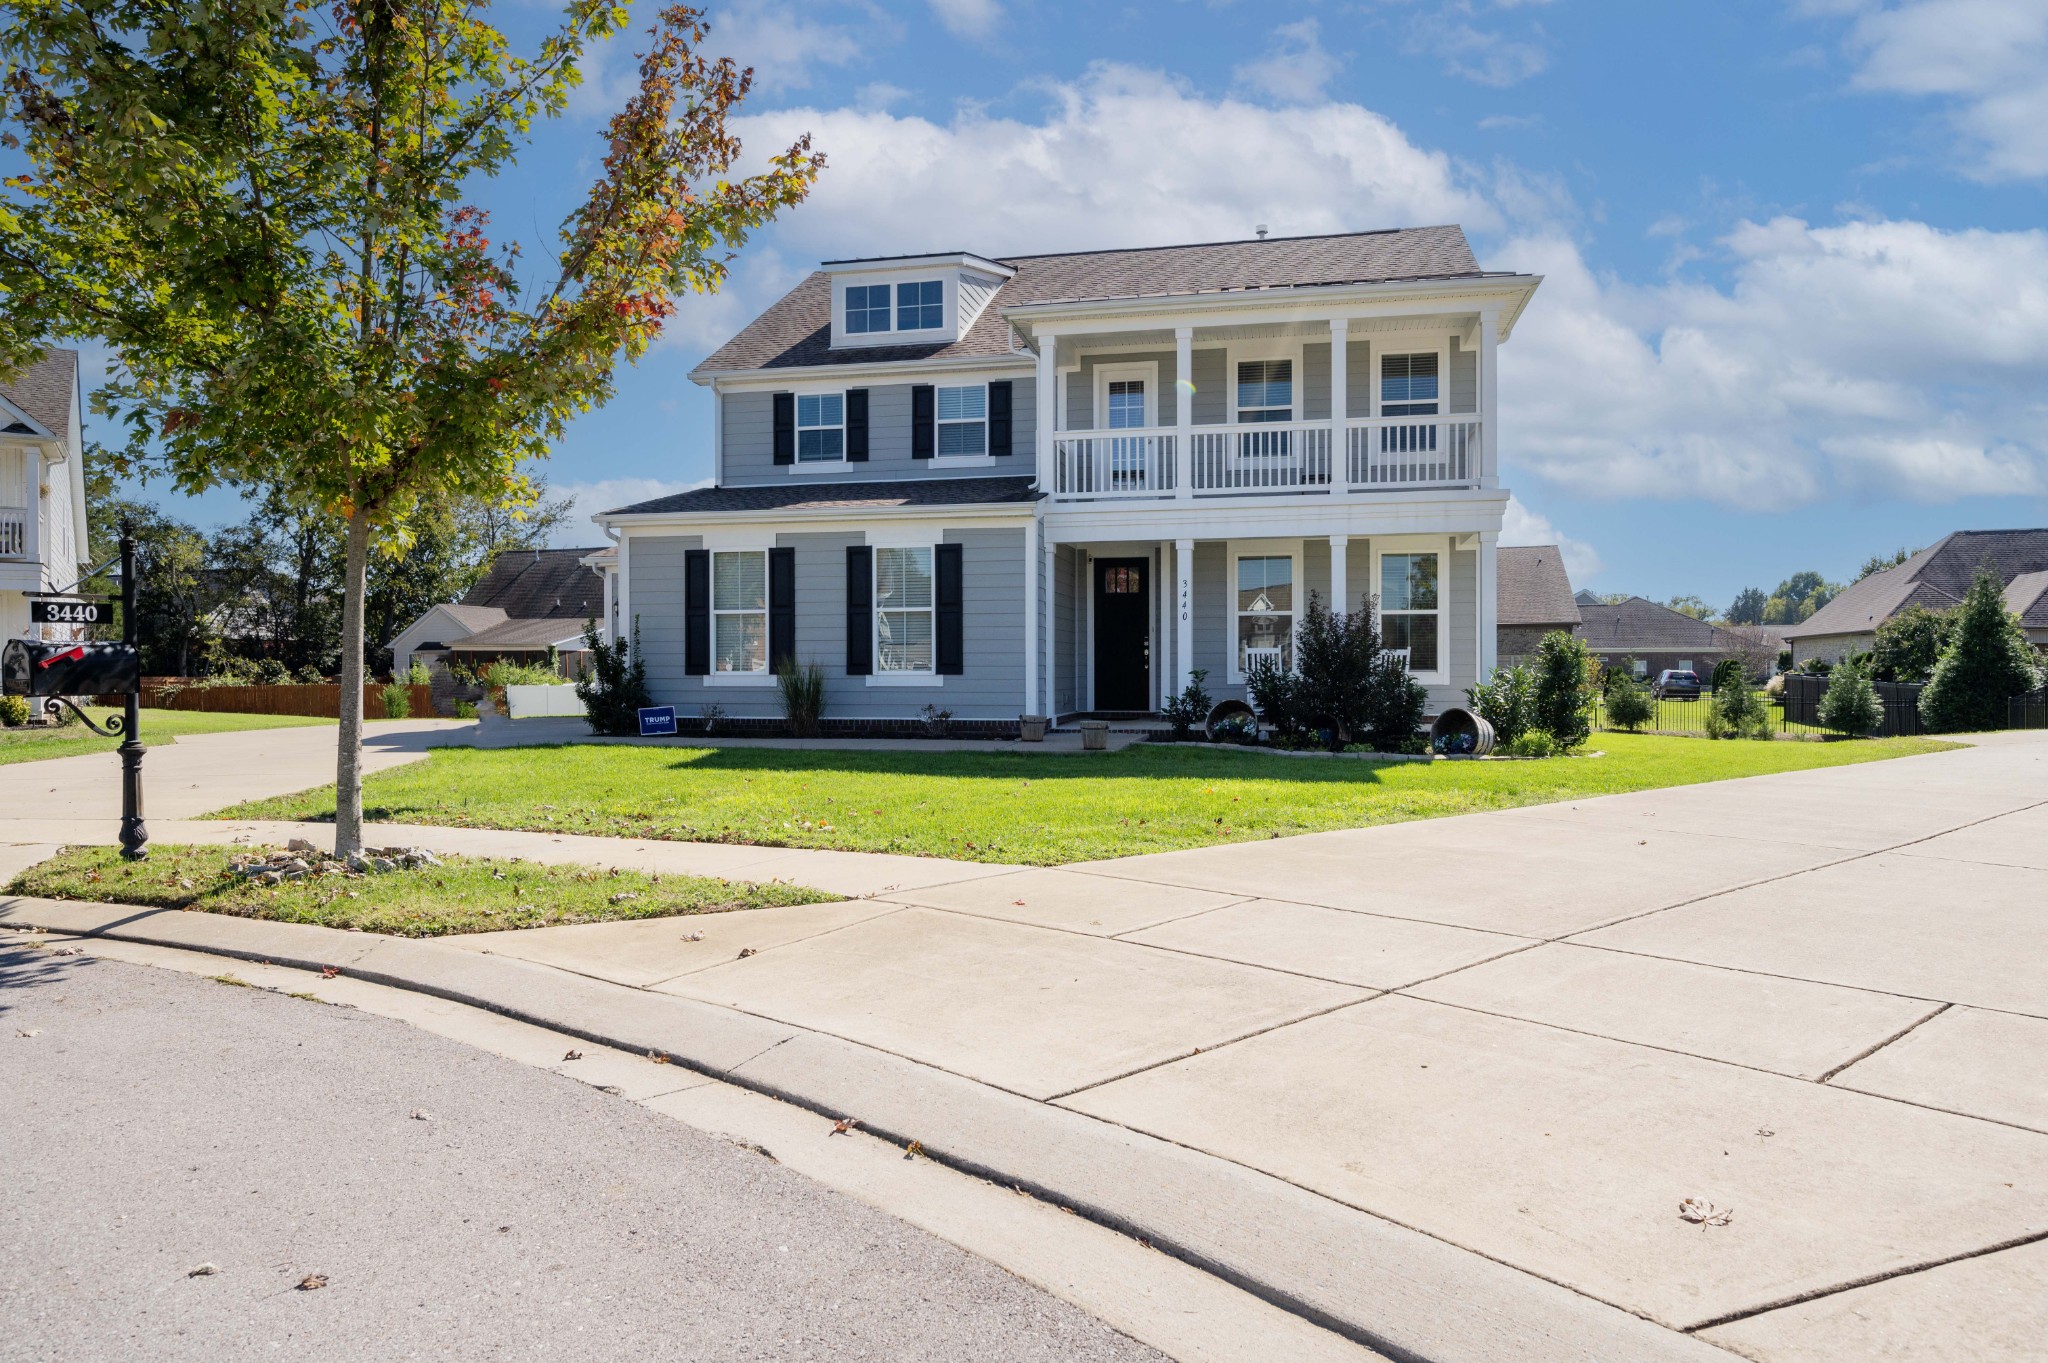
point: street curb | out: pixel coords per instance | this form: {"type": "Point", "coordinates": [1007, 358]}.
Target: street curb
{"type": "Point", "coordinates": [1410, 1296]}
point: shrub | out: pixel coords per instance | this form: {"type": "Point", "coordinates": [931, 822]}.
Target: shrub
{"type": "Point", "coordinates": [1986, 663]}
{"type": "Point", "coordinates": [1507, 701]}
{"type": "Point", "coordinates": [14, 711]}
{"type": "Point", "coordinates": [1189, 708]}
{"type": "Point", "coordinates": [802, 686]}
{"type": "Point", "coordinates": [1394, 706]}
{"type": "Point", "coordinates": [1816, 667]}
{"type": "Point", "coordinates": [1736, 711]}
{"type": "Point", "coordinates": [1851, 705]}
{"type": "Point", "coordinates": [1276, 694]}
{"type": "Point", "coordinates": [1910, 643]}
{"type": "Point", "coordinates": [1629, 704]}
{"type": "Point", "coordinates": [1729, 672]}
{"type": "Point", "coordinates": [500, 674]}
{"type": "Point", "coordinates": [397, 701]}
{"type": "Point", "coordinates": [613, 688]}
{"type": "Point", "coordinates": [1533, 743]}
{"type": "Point", "coordinates": [417, 674]}
{"type": "Point", "coordinates": [1564, 701]}
{"type": "Point", "coordinates": [465, 709]}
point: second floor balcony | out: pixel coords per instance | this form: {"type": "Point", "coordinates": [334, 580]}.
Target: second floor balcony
{"type": "Point", "coordinates": [1249, 459]}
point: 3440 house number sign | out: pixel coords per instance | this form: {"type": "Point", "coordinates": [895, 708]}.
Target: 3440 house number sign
{"type": "Point", "coordinates": [70, 612]}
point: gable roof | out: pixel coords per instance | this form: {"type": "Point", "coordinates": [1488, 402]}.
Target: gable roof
{"type": "Point", "coordinates": [539, 584]}
{"type": "Point", "coordinates": [1937, 577]}
{"type": "Point", "coordinates": [794, 496]}
{"type": "Point", "coordinates": [1640, 626]}
{"type": "Point", "coordinates": [2027, 597]}
{"type": "Point", "coordinates": [527, 636]}
{"type": "Point", "coordinates": [797, 330]}
{"type": "Point", "coordinates": [1532, 588]}
{"type": "Point", "coordinates": [44, 390]}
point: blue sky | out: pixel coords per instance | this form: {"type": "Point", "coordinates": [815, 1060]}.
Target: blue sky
{"type": "Point", "coordinates": [1796, 298]}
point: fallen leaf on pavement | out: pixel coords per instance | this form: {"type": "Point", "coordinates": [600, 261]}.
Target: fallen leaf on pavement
{"type": "Point", "coordinates": [29, 1031]}
{"type": "Point", "coordinates": [913, 1150]}
{"type": "Point", "coordinates": [312, 1282]}
{"type": "Point", "coordinates": [658, 1057]}
{"type": "Point", "coordinates": [693, 937]}
{"type": "Point", "coordinates": [845, 1125]}
{"type": "Point", "coordinates": [328, 972]}
{"type": "Point", "coordinates": [572, 1055]}
{"type": "Point", "coordinates": [1703, 1213]}
{"type": "Point", "coordinates": [203, 1271]}
{"type": "Point", "coordinates": [746, 952]}
{"type": "Point", "coordinates": [420, 1114]}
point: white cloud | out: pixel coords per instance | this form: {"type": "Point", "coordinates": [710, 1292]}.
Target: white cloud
{"type": "Point", "coordinates": [974, 20]}
{"type": "Point", "coordinates": [1295, 70]}
{"type": "Point", "coordinates": [606, 495]}
{"type": "Point", "coordinates": [1989, 58]}
{"type": "Point", "coordinates": [1483, 55]}
{"type": "Point", "coordinates": [1523, 526]}
{"type": "Point", "coordinates": [783, 42]}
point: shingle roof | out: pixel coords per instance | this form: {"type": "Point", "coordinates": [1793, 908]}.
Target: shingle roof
{"type": "Point", "coordinates": [44, 389]}
{"type": "Point", "coordinates": [1936, 577]}
{"type": "Point", "coordinates": [540, 584]}
{"type": "Point", "coordinates": [795, 496]}
{"type": "Point", "coordinates": [797, 330]}
{"type": "Point", "coordinates": [1641, 626]}
{"type": "Point", "coordinates": [2027, 597]}
{"type": "Point", "coordinates": [1533, 587]}
{"type": "Point", "coordinates": [523, 635]}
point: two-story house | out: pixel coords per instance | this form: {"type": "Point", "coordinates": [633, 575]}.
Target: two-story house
{"type": "Point", "coordinates": [42, 489]}
{"type": "Point", "coordinates": [1061, 484]}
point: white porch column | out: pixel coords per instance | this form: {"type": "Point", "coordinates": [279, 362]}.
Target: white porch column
{"type": "Point", "coordinates": [1340, 598]}
{"type": "Point", "coordinates": [1048, 411]}
{"type": "Point", "coordinates": [1489, 399]}
{"type": "Point", "coordinates": [1032, 640]}
{"type": "Point", "coordinates": [1489, 603]}
{"type": "Point", "coordinates": [32, 502]}
{"type": "Point", "coordinates": [1183, 613]}
{"type": "Point", "coordinates": [611, 618]}
{"type": "Point", "coordinates": [1183, 412]}
{"type": "Point", "coordinates": [1340, 401]}
{"type": "Point", "coordinates": [1051, 630]}
{"type": "Point", "coordinates": [623, 600]}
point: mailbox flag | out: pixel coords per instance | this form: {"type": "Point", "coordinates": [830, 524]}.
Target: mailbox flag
{"type": "Point", "coordinates": [75, 655]}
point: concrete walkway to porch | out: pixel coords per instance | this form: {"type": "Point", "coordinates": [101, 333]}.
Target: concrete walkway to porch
{"type": "Point", "coordinates": [1755, 1062]}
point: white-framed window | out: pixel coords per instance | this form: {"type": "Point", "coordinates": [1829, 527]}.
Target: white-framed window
{"type": "Point", "coordinates": [820, 428]}
{"type": "Point", "coordinates": [1642, 669]}
{"type": "Point", "coordinates": [1411, 601]}
{"type": "Point", "coordinates": [1684, 665]}
{"type": "Point", "coordinates": [1263, 610]}
{"type": "Point", "coordinates": [1409, 385]}
{"type": "Point", "coordinates": [921, 305]}
{"type": "Point", "coordinates": [962, 421]}
{"type": "Point", "coordinates": [904, 623]}
{"type": "Point", "coordinates": [739, 611]}
{"type": "Point", "coordinates": [867, 308]}
{"type": "Point", "coordinates": [1265, 391]}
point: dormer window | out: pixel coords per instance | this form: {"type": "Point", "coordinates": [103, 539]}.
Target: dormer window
{"type": "Point", "coordinates": [867, 308]}
{"type": "Point", "coordinates": [921, 306]}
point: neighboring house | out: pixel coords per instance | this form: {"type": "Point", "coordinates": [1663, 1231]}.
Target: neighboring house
{"type": "Point", "coordinates": [42, 489]}
{"type": "Point", "coordinates": [1937, 577]}
{"type": "Point", "coordinates": [529, 603]}
{"type": "Point", "coordinates": [1061, 484]}
{"type": "Point", "coordinates": [1534, 599]}
{"type": "Point", "coordinates": [1657, 637]}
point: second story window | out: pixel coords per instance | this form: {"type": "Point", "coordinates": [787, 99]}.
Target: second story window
{"type": "Point", "coordinates": [963, 421]}
{"type": "Point", "coordinates": [921, 306]}
{"type": "Point", "coordinates": [867, 308]}
{"type": "Point", "coordinates": [820, 428]}
{"type": "Point", "coordinates": [1265, 390]}
{"type": "Point", "coordinates": [1408, 385]}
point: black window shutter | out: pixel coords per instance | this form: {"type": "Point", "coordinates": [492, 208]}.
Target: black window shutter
{"type": "Point", "coordinates": [946, 596]}
{"type": "Point", "coordinates": [999, 417]}
{"type": "Point", "coordinates": [860, 610]}
{"type": "Point", "coordinates": [781, 607]}
{"type": "Point", "coordinates": [697, 612]}
{"type": "Point", "coordinates": [923, 420]}
{"type": "Point", "coordinates": [856, 425]}
{"type": "Point", "coordinates": [785, 428]}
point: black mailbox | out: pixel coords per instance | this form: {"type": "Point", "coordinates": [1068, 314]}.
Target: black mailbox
{"type": "Point", "coordinates": [32, 667]}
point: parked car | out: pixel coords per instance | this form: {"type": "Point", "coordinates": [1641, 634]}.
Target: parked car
{"type": "Point", "coordinates": [1672, 684]}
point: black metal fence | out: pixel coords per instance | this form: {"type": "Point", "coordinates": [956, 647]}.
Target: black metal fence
{"type": "Point", "coordinates": [2029, 711]}
{"type": "Point", "coordinates": [1795, 710]}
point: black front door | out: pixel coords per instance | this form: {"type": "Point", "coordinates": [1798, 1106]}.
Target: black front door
{"type": "Point", "coordinates": [1123, 634]}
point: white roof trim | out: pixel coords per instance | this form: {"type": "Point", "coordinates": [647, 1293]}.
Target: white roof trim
{"type": "Point", "coordinates": [42, 432]}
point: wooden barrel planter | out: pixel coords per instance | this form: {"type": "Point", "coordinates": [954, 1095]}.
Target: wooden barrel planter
{"type": "Point", "coordinates": [1242, 721]}
{"type": "Point", "coordinates": [1460, 733]}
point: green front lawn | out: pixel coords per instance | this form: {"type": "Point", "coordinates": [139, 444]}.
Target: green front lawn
{"type": "Point", "coordinates": [463, 894]}
{"type": "Point", "coordinates": [158, 726]}
{"type": "Point", "coordinates": [1031, 807]}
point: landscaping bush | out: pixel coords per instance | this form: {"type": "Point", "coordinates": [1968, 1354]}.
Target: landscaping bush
{"type": "Point", "coordinates": [1736, 711]}
{"type": "Point", "coordinates": [1986, 663]}
{"type": "Point", "coordinates": [1629, 703]}
{"type": "Point", "coordinates": [613, 688]}
{"type": "Point", "coordinates": [802, 687]}
{"type": "Point", "coordinates": [1564, 700]}
{"type": "Point", "coordinates": [14, 711]}
{"type": "Point", "coordinates": [1507, 701]}
{"type": "Point", "coordinates": [1189, 708]}
{"type": "Point", "coordinates": [1910, 643]}
{"type": "Point", "coordinates": [397, 701]}
{"type": "Point", "coordinates": [1851, 705]}
{"type": "Point", "coordinates": [1533, 743]}
{"type": "Point", "coordinates": [465, 709]}
{"type": "Point", "coordinates": [499, 674]}
{"type": "Point", "coordinates": [1344, 688]}
{"type": "Point", "coordinates": [1728, 672]}
{"type": "Point", "coordinates": [417, 674]}
{"type": "Point", "coordinates": [1276, 694]}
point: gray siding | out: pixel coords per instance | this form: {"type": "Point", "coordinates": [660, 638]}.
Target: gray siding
{"type": "Point", "coordinates": [1464, 379]}
{"type": "Point", "coordinates": [1065, 621]}
{"type": "Point", "coordinates": [1315, 381]}
{"type": "Point", "coordinates": [1357, 377]}
{"type": "Point", "coordinates": [991, 687]}
{"type": "Point", "coordinates": [1211, 401]}
{"type": "Point", "coordinates": [749, 423]}
{"type": "Point", "coordinates": [1081, 387]}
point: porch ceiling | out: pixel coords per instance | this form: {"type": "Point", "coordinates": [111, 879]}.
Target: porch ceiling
{"type": "Point", "coordinates": [1306, 328]}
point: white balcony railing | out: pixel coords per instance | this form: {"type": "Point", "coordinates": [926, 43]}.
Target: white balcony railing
{"type": "Point", "coordinates": [1281, 456]}
{"type": "Point", "coordinates": [1105, 465]}
{"type": "Point", "coordinates": [1412, 451]}
{"type": "Point", "coordinates": [13, 532]}
{"type": "Point", "coordinates": [1381, 454]}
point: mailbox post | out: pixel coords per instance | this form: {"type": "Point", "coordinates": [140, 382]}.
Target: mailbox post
{"type": "Point", "coordinates": [134, 835]}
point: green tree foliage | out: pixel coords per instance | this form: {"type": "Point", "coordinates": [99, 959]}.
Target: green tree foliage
{"type": "Point", "coordinates": [1694, 606]}
{"type": "Point", "coordinates": [1909, 644]}
{"type": "Point", "coordinates": [265, 209]}
{"type": "Point", "coordinates": [1986, 663]}
{"type": "Point", "coordinates": [1850, 704]}
{"type": "Point", "coordinates": [1736, 710]}
{"type": "Point", "coordinates": [1343, 682]}
{"type": "Point", "coordinates": [613, 684]}
{"type": "Point", "coordinates": [1728, 672]}
{"type": "Point", "coordinates": [1878, 563]}
{"type": "Point", "coordinates": [1797, 598]}
{"type": "Point", "coordinates": [1748, 607]}
{"type": "Point", "coordinates": [1629, 704]}
{"type": "Point", "coordinates": [1507, 701]}
{"type": "Point", "coordinates": [1190, 707]}
{"type": "Point", "coordinates": [1564, 695]}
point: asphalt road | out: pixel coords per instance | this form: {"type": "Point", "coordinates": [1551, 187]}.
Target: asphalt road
{"type": "Point", "coordinates": [156, 1122]}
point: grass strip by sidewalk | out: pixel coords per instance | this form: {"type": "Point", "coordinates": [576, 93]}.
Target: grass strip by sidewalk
{"type": "Point", "coordinates": [1029, 807]}
{"type": "Point", "coordinates": [463, 894]}
{"type": "Point", "coordinates": [39, 743]}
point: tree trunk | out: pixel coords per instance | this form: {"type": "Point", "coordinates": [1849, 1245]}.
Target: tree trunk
{"type": "Point", "coordinates": [348, 775]}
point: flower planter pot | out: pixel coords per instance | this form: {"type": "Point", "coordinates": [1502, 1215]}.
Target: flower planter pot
{"type": "Point", "coordinates": [1094, 735]}
{"type": "Point", "coordinates": [1031, 728]}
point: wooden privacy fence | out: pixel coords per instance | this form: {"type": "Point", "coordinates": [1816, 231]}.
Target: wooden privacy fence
{"type": "Point", "coordinates": [314, 700]}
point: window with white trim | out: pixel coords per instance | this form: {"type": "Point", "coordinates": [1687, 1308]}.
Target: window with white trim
{"type": "Point", "coordinates": [867, 308]}
{"type": "Point", "coordinates": [820, 428]}
{"type": "Point", "coordinates": [1408, 385]}
{"type": "Point", "coordinates": [1265, 610]}
{"type": "Point", "coordinates": [963, 421]}
{"type": "Point", "coordinates": [1265, 390]}
{"type": "Point", "coordinates": [1411, 608]}
{"type": "Point", "coordinates": [921, 306]}
{"type": "Point", "coordinates": [903, 610]}
{"type": "Point", "coordinates": [739, 610]}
